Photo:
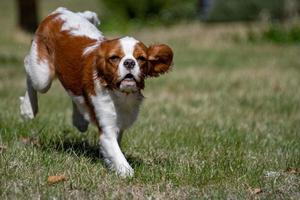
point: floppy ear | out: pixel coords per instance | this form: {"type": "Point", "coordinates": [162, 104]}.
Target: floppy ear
{"type": "Point", "coordinates": [160, 59]}
{"type": "Point", "coordinates": [100, 65]}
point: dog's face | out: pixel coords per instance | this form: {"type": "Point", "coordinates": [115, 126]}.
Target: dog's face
{"type": "Point", "coordinates": [124, 63]}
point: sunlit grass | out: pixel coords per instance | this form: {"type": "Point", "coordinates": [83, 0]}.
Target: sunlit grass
{"type": "Point", "coordinates": [214, 127]}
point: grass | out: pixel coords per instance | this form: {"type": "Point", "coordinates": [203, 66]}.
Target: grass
{"type": "Point", "coordinates": [224, 122]}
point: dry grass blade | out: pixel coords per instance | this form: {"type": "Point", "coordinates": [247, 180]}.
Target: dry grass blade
{"type": "Point", "coordinates": [292, 170]}
{"type": "Point", "coordinates": [256, 191]}
{"type": "Point", "coordinates": [3, 148]}
{"type": "Point", "coordinates": [30, 141]}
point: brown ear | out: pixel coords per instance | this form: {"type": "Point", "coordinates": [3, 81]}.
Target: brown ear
{"type": "Point", "coordinates": [160, 58]}
{"type": "Point", "coordinates": [101, 70]}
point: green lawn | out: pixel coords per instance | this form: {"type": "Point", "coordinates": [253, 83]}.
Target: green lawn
{"type": "Point", "coordinates": [224, 122]}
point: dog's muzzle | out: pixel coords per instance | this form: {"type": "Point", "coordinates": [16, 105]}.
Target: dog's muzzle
{"type": "Point", "coordinates": [128, 84]}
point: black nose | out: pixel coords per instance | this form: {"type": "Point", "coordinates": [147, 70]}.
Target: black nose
{"type": "Point", "coordinates": [129, 63]}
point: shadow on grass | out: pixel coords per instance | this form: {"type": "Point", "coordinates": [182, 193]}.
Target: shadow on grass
{"type": "Point", "coordinates": [84, 148]}
{"type": "Point", "coordinates": [78, 148]}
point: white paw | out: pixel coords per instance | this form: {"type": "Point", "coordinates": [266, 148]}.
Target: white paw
{"type": "Point", "coordinates": [25, 108]}
{"type": "Point", "coordinates": [124, 170]}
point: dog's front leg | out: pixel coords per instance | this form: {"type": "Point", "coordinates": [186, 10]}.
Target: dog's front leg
{"type": "Point", "coordinates": [112, 153]}
{"type": "Point", "coordinates": [106, 117]}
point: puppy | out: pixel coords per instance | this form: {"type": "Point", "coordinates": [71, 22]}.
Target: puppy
{"type": "Point", "coordinates": [103, 77]}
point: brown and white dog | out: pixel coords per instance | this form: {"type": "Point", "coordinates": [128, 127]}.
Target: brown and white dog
{"type": "Point", "coordinates": [103, 77]}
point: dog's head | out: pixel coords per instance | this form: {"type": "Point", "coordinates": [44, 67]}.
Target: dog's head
{"type": "Point", "coordinates": [124, 63]}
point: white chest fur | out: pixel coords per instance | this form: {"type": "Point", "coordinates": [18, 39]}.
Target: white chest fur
{"type": "Point", "coordinates": [126, 107]}
{"type": "Point", "coordinates": [114, 109]}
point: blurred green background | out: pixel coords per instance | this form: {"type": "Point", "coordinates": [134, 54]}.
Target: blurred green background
{"type": "Point", "coordinates": [280, 17]}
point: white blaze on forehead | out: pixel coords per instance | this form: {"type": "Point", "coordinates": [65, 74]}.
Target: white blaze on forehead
{"type": "Point", "coordinates": [128, 44]}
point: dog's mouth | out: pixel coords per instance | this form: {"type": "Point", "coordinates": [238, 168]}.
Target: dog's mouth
{"type": "Point", "coordinates": [128, 84]}
{"type": "Point", "coordinates": [128, 77]}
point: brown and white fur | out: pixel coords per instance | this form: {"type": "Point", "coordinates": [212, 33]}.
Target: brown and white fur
{"type": "Point", "coordinates": [103, 77]}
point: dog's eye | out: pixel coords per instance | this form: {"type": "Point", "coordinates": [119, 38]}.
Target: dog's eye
{"type": "Point", "coordinates": [114, 58]}
{"type": "Point", "coordinates": [141, 58]}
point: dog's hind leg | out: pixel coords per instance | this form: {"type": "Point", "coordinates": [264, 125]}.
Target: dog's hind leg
{"type": "Point", "coordinates": [78, 119]}
{"type": "Point", "coordinates": [29, 102]}
{"type": "Point", "coordinates": [39, 79]}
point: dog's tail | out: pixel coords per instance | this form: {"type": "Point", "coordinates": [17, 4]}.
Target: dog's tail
{"type": "Point", "coordinates": [91, 16]}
